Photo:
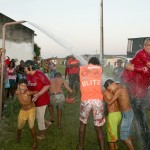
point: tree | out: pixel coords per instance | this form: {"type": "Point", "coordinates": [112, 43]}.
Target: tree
{"type": "Point", "coordinates": [37, 50]}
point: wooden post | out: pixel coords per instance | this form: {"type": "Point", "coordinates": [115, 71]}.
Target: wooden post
{"type": "Point", "coordinates": [101, 33]}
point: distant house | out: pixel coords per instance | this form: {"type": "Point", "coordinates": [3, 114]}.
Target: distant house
{"type": "Point", "coordinates": [111, 60]}
{"type": "Point", "coordinates": [88, 56]}
{"type": "Point", "coordinates": [19, 41]}
{"type": "Point", "coordinates": [108, 60]}
{"type": "Point", "coordinates": [56, 60]}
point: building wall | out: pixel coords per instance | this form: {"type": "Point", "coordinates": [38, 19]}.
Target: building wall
{"type": "Point", "coordinates": [19, 41]}
{"type": "Point", "coordinates": [22, 51]}
{"type": "Point", "coordinates": [112, 62]}
{"type": "Point", "coordinates": [134, 44]}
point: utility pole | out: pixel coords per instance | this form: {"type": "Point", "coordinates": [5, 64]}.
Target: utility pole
{"type": "Point", "coordinates": [2, 60]}
{"type": "Point", "coordinates": [101, 33]}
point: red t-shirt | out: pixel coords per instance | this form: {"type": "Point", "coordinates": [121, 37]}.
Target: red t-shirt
{"type": "Point", "coordinates": [139, 79]}
{"type": "Point", "coordinates": [35, 83]}
{"type": "Point", "coordinates": [73, 70]}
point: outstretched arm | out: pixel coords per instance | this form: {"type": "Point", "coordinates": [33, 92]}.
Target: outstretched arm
{"type": "Point", "coordinates": [129, 67]}
{"type": "Point", "coordinates": [138, 68]}
{"type": "Point", "coordinates": [67, 87]}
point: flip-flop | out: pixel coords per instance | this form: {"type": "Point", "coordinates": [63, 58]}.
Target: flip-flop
{"type": "Point", "coordinates": [52, 121]}
{"type": "Point", "coordinates": [47, 124]}
{"type": "Point", "coordinates": [41, 137]}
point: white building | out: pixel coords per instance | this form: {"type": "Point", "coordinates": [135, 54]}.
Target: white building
{"type": "Point", "coordinates": [19, 42]}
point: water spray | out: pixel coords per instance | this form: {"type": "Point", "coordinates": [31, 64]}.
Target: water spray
{"type": "Point", "coordinates": [61, 42]}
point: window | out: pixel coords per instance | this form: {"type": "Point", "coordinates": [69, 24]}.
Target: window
{"type": "Point", "coordinates": [130, 44]}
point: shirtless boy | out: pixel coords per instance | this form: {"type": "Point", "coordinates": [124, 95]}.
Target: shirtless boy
{"type": "Point", "coordinates": [112, 121]}
{"type": "Point", "coordinates": [120, 93]}
{"type": "Point", "coordinates": [27, 111]}
{"type": "Point", "coordinates": [57, 96]}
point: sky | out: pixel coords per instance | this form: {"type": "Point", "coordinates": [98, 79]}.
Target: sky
{"type": "Point", "coordinates": [77, 23]}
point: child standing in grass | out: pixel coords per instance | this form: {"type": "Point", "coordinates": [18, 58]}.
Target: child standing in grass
{"type": "Point", "coordinates": [112, 121]}
{"type": "Point", "coordinates": [57, 96]}
{"type": "Point", "coordinates": [27, 111]}
{"type": "Point", "coordinates": [120, 93]}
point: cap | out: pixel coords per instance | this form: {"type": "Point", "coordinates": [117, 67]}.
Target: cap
{"type": "Point", "coordinates": [119, 61]}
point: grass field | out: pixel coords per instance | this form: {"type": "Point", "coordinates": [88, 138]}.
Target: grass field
{"type": "Point", "coordinates": [56, 139]}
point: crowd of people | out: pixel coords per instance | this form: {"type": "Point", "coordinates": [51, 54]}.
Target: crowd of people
{"type": "Point", "coordinates": [38, 86]}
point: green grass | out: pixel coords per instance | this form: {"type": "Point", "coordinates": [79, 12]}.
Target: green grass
{"type": "Point", "coordinates": [61, 69]}
{"type": "Point", "coordinates": [56, 139]}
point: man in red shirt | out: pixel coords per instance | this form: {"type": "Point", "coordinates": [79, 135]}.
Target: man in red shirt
{"type": "Point", "coordinates": [37, 81]}
{"type": "Point", "coordinates": [73, 65]}
{"type": "Point", "coordinates": [137, 77]}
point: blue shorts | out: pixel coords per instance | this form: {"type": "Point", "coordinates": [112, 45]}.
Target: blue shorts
{"type": "Point", "coordinates": [7, 84]}
{"type": "Point", "coordinates": [12, 82]}
{"type": "Point", "coordinates": [125, 128]}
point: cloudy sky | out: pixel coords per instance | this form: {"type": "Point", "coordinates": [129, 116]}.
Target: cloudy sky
{"type": "Point", "coordinates": [76, 24]}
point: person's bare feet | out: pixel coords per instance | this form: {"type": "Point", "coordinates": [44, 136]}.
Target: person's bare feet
{"type": "Point", "coordinates": [17, 140]}
{"type": "Point", "coordinates": [59, 126]}
{"type": "Point", "coordinates": [34, 146]}
{"type": "Point", "coordinates": [116, 146]}
{"type": "Point", "coordinates": [79, 147]}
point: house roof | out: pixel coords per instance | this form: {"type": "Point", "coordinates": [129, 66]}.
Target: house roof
{"type": "Point", "coordinates": [5, 19]}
